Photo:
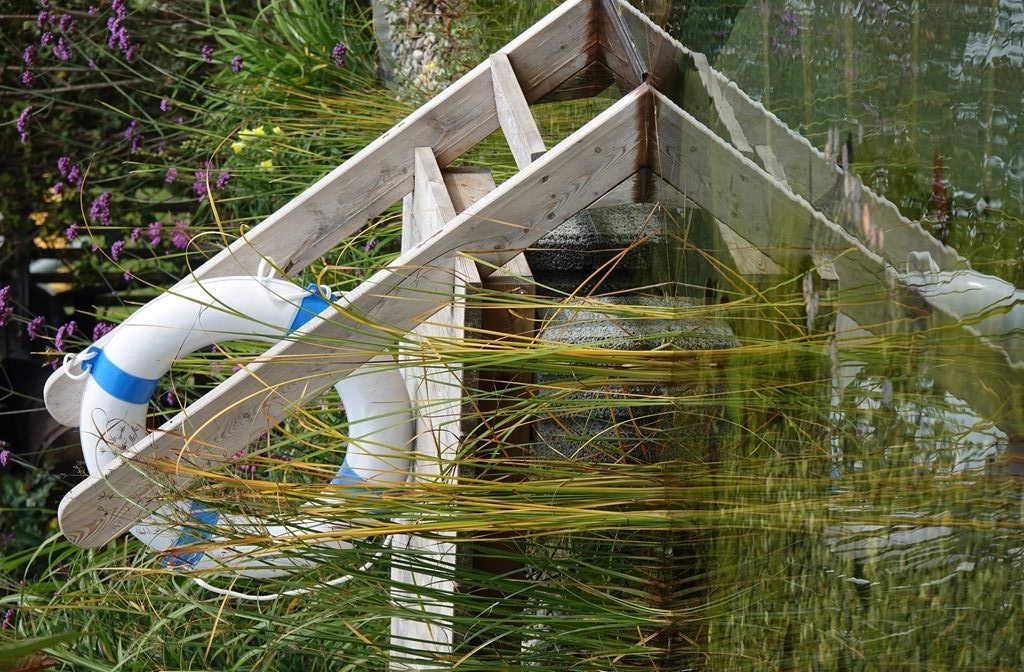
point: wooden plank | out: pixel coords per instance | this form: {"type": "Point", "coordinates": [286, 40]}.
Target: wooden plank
{"type": "Point", "coordinates": [543, 57]}
{"type": "Point", "coordinates": [593, 80]}
{"type": "Point", "coordinates": [496, 441]}
{"type": "Point", "coordinates": [763, 138]}
{"type": "Point", "coordinates": [665, 61]}
{"type": "Point", "coordinates": [443, 422]}
{"type": "Point", "coordinates": [527, 206]}
{"type": "Point", "coordinates": [436, 392]}
{"type": "Point", "coordinates": [746, 258]}
{"type": "Point", "coordinates": [618, 51]}
{"type": "Point", "coordinates": [466, 185]}
{"type": "Point", "coordinates": [787, 228]}
{"type": "Point", "coordinates": [431, 205]}
{"type": "Point", "coordinates": [644, 186]}
{"type": "Point", "coordinates": [514, 116]}
{"type": "Point", "coordinates": [343, 201]}
{"type": "Point", "coordinates": [733, 189]}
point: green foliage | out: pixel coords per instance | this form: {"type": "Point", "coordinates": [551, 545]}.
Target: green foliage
{"type": "Point", "coordinates": [26, 518]}
{"type": "Point", "coordinates": [739, 510]}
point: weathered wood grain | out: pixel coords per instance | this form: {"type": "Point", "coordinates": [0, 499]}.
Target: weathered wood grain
{"type": "Point", "coordinates": [787, 228]}
{"type": "Point", "coordinates": [514, 116]}
{"type": "Point", "coordinates": [618, 51]}
{"type": "Point", "coordinates": [344, 200]}
{"type": "Point", "coordinates": [787, 156]}
{"type": "Point", "coordinates": [745, 258]}
{"type": "Point", "coordinates": [561, 183]}
{"type": "Point", "coordinates": [423, 567]}
{"type": "Point", "coordinates": [733, 189]}
{"type": "Point", "coordinates": [553, 51]}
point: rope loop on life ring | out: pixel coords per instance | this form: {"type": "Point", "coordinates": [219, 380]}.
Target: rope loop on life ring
{"type": "Point", "coordinates": [123, 376]}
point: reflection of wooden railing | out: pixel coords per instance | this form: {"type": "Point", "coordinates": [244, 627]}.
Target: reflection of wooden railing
{"type": "Point", "coordinates": [680, 132]}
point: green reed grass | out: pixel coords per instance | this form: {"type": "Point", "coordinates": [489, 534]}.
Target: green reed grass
{"type": "Point", "coordinates": [736, 513]}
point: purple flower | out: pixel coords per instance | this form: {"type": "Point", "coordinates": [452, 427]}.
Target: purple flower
{"type": "Point", "coordinates": [29, 56]}
{"type": "Point", "coordinates": [92, 10]}
{"type": "Point", "coordinates": [66, 24]}
{"type": "Point", "coordinates": [161, 147]}
{"type": "Point", "coordinates": [63, 331]}
{"type": "Point", "coordinates": [119, 37]}
{"type": "Point", "coordinates": [75, 175]}
{"type": "Point", "coordinates": [236, 64]}
{"type": "Point", "coordinates": [164, 104]}
{"type": "Point", "coordinates": [791, 20]}
{"type": "Point", "coordinates": [5, 455]}
{"type": "Point", "coordinates": [222, 179]}
{"type": "Point", "coordinates": [180, 238]}
{"type": "Point", "coordinates": [46, 38]}
{"type": "Point", "coordinates": [27, 78]}
{"type": "Point", "coordinates": [171, 175]}
{"type": "Point", "coordinates": [370, 244]}
{"type": "Point", "coordinates": [199, 186]}
{"type": "Point", "coordinates": [127, 275]}
{"type": "Point", "coordinates": [100, 330]}
{"type": "Point", "coordinates": [63, 164]}
{"type": "Point", "coordinates": [132, 135]}
{"type": "Point", "coordinates": [71, 232]}
{"type": "Point", "coordinates": [171, 398]}
{"type": "Point", "coordinates": [116, 249]}
{"type": "Point", "coordinates": [58, 187]}
{"type": "Point", "coordinates": [207, 53]}
{"type": "Point", "coordinates": [153, 232]}
{"type": "Point", "coordinates": [99, 211]}
{"type": "Point", "coordinates": [42, 18]}
{"type": "Point", "coordinates": [119, 9]}
{"type": "Point", "coordinates": [32, 328]}
{"type": "Point", "coordinates": [61, 50]}
{"type": "Point", "coordinates": [135, 234]}
{"type": "Point", "coordinates": [338, 54]}
{"type": "Point", "coordinates": [5, 308]}
{"type": "Point", "coordinates": [22, 123]}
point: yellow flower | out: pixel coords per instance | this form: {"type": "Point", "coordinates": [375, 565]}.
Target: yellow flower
{"type": "Point", "coordinates": [277, 130]}
{"type": "Point", "coordinates": [237, 147]}
{"type": "Point", "coordinates": [53, 196]}
{"type": "Point", "coordinates": [38, 217]}
{"type": "Point", "coordinates": [267, 164]}
{"type": "Point", "coordinates": [258, 132]}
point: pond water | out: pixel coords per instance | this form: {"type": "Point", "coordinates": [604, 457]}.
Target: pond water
{"type": "Point", "coordinates": [878, 516]}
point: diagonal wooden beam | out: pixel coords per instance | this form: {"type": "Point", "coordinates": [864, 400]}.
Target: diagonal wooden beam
{"type": "Point", "coordinates": [618, 51]}
{"type": "Point", "coordinates": [514, 116]}
{"type": "Point", "coordinates": [571, 176]}
{"type": "Point", "coordinates": [685, 77]}
{"type": "Point", "coordinates": [344, 200]}
{"type": "Point", "coordinates": [785, 227]}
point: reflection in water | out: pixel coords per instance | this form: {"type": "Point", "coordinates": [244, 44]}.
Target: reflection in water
{"type": "Point", "coordinates": [877, 516]}
{"type": "Point", "coordinates": [929, 95]}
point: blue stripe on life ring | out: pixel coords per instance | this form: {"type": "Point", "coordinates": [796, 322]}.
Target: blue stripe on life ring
{"type": "Point", "coordinates": [117, 382]}
{"type": "Point", "coordinates": [203, 515]}
{"type": "Point", "coordinates": [347, 476]}
{"type": "Point", "coordinates": [309, 307]}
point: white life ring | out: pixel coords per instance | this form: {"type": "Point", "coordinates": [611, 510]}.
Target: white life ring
{"type": "Point", "coordinates": [123, 376]}
{"type": "Point", "coordinates": [990, 305]}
